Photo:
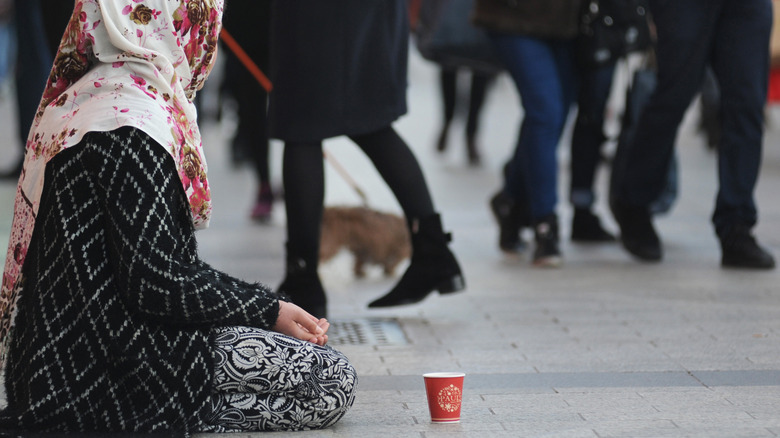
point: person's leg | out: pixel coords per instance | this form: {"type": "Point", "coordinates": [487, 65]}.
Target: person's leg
{"type": "Point", "coordinates": [534, 67]}
{"type": "Point", "coordinates": [263, 207]}
{"type": "Point", "coordinates": [277, 382]}
{"type": "Point", "coordinates": [741, 65]}
{"type": "Point", "coordinates": [710, 109]}
{"type": "Point", "coordinates": [433, 266]}
{"type": "Point", "coordinates": [32, 70]}
{"type": "Point", "coordinates": [304, 185]}
{"type": "Point", "coordinates": [586, 143]}
{"type": "Point", "coordinates": [448, 83]}
{"type": "Point", "coordinates": [398, 166]}
{"type": "Point", "coordinates": [479, 85]}
{"type": "Point", "coordinates": [543, 74]}
{"type": "Point", "coordinates": [686, 30]}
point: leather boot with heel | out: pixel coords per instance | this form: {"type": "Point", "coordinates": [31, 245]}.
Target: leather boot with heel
{"type": "Point", "coordinates": [302, 286]}
{"type": "Point", "coordinates": [433, 266]}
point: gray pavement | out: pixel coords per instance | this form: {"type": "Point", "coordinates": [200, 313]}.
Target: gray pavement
{"type": "Point", "coordinates": [603, 347]}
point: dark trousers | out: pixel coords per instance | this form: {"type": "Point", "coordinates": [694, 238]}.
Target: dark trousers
{"type": "Point", "coordinates": [733, 37]}
{"type": "Point", "coordinates": [588, 136]}
{"type": "Point", "coordinates": [34, 62]}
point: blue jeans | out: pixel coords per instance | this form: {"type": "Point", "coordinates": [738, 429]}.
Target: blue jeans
{"type": "Point", "coordinates": [543, 72]}
{"type": "Point", "coordinates": [733, 37]}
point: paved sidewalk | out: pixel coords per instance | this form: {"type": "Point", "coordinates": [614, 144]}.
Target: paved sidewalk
{"type": "Point", "coordinates": [603, 347]}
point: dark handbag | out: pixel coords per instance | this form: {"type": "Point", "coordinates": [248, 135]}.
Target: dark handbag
{"type": "Point", "coordinates": [611, 29]}
{"type": "Point", "coordinates": [444, 34]}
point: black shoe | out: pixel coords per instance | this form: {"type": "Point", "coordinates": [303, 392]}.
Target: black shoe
{"type": "Point", "coordinates": [740, 250]}
{"type": "Point", "coordinates": [586, 227]}
{"type": "Point", "coordinates": [637, 233]}
{"type": "Point", "coordinates": [433, 267]}
{"type": "Point", "coordinates": [302, 287]}
{"type": "Point", "coordinates": [547, 254]}
{"type": "Point", "coordinates": [511, 219]}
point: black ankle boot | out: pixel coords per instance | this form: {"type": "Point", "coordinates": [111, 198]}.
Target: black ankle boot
{"type": "Point", "coordinates": [586, 227]}
{"type": "Point", "coordinates": [511, 218]}
{"type": "Point", "coordinates": [547, 254]}
{"type": "Point", "coordinates": [740, 250]}
{"type": "Point", "coordinates": [433, 266]}
{"type": "Point", "coordinates": [637, 233]}
{"type": "Point", "coordinates": [302, 286]}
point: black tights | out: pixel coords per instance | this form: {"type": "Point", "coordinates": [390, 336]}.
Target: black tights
{"type": "Point", "coordinates": [304, 185]}
{"type": "Point", "coordinates": [449, 89]}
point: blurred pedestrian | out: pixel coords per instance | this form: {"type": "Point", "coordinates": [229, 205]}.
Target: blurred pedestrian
{"type": "Point", "coordinates": [109, 320]}
{"type": "Point", "coordinates": [535, 39]}
{"type": "Point", "coordinates": [451, 94]}
{"type": "Point", "coordinates": [587, 142]}
{"type": "Point", "coordinates": [732, 36]}
{"type": "Point", "coordinates": [38, 26]}
{"type": "Point", "coordinates": [33, 61]}
{"type": "Point", "coordinates": [249, 22]}
{"type": "Point", "coordinates": [340, 68]}
{"type": "Point", "coordinates": [445, 35]}
{"type": "Point", "coordinates": [7, 40]}
{"type": "Point", "coordinates": [609, 31]}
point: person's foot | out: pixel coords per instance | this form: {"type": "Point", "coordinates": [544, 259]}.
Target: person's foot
{"type": "Point", "coordinates": [637, 233]}
{"type": "Point", "coordinates": [264, 204]}
{"type": "Point", "coordinates": [433, 267]}
{"type": "Point", "coordinates": [547, 254]}
{"type": "Point", "coordinates": [740, 250]}
{"type": "Point", "coordinates": [586, 227]}
{"type": "Point", "coordinates": [510, 221]}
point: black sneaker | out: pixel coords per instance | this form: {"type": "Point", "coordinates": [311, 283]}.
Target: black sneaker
{"type": "Point", "coordinates": [586, 227]}
{"type": "Point", "coordinates": [740, 250]}
{"type": "Point", "coordinates": [546, 253]}
{"type": "Point", "coordinates": [637, 233]}
{"type": "Point", "coordinates": [510, 222]}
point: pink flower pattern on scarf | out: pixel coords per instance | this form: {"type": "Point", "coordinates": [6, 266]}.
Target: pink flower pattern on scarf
{"type": "Point", "coordinates": [120, 63]}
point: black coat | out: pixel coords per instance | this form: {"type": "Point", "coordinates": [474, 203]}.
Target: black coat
{"type": "Point", "coordinates": [338, 67]}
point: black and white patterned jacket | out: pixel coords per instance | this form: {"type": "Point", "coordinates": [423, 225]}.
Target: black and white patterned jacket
{"type": "Point", "coordinates": [112, 329]}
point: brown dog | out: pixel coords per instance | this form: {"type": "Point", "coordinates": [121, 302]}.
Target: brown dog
{"type": "Point", "coordinates": [372, 237]}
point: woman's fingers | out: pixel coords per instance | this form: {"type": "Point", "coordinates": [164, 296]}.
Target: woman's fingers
{"type": "Point", "coordinates": [296, 322]}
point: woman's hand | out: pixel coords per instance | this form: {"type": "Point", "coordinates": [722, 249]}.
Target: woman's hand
{"type": "Point", "coordinates": [298, 323]}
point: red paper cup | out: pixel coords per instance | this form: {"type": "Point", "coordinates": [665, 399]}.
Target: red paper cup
{"type": "Point", "coordinates": [445, 393]}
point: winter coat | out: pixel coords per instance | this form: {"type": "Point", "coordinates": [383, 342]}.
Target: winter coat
{"type": "Point", "coordinates": [339, 67]}
{"type": "Point", "coordinates": [557, 19]}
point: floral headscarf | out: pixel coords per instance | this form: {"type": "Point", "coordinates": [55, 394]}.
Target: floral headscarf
{"type": "Point", "coordinates": [120, 63]}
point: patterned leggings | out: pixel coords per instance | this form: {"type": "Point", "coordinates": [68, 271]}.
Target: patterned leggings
{"type": "Point", "coordinates": [266, 381]}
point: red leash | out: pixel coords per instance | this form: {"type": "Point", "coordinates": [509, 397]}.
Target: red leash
{"type": "Point", "coordinates": [266, 83]}
{"type": "Point", "coordinates": [246, 60]}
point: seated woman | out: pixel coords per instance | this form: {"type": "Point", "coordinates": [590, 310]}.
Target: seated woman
{"type": "Point", "coordinates": [110, 321]}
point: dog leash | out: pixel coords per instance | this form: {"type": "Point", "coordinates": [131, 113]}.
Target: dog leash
{"type": "Point", "coordinates": [246, 60]}
{"type": "Point", "coordinates": [264, 82]}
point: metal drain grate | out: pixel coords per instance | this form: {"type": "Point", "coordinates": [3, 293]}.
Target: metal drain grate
{"type": "Point", "coordinates": [370, 331]}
